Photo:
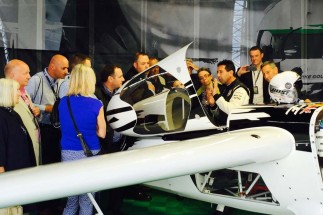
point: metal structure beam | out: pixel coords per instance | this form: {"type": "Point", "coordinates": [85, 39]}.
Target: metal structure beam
{"type": "Point", "coordinates": [238, 21]}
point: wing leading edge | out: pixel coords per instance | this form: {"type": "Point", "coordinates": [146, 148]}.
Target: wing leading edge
{"type": "Point", "coordinates": [219, 151]}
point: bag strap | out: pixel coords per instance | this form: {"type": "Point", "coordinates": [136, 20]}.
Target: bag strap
{"type": "Point", "coordinates": [85, 147]}
{"type": "Point", "coordinates": [37, 90]}
{"type": "Point", "coordinates": [51, 86]}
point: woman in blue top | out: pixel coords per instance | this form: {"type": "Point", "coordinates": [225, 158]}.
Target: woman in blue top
{"type": "Point", "coordinates": [89, 118]}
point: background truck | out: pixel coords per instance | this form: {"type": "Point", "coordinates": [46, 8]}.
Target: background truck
{"type": "Point", "coordinates": [291, 33]}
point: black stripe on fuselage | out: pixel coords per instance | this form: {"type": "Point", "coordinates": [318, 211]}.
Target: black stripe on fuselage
{"type": "Point", "coordinates": [126, 126]}
{"type": "Point", "coordinates": [119, 110]}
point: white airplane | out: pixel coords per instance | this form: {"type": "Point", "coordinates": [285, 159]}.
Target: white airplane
{"type": "Point", "coordinates": [262, 158]}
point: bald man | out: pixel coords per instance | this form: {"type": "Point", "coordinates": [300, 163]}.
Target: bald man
{"type": "Point", "coordinates": [29, 113]}
{"type": "Point", "coordinates": [42, 88]}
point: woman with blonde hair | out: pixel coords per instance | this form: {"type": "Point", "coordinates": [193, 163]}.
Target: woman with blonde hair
{"type": "Point", "coordinates": [16, 149]}
{"type": "Point", "coordinates": [89, 118]}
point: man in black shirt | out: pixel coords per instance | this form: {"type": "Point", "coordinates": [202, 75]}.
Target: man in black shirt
{"type": "Point", "coordinates": [233, 95]}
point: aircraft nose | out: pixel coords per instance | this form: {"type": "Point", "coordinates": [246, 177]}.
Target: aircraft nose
{"type": "Point", "coordinates": [121, 116]}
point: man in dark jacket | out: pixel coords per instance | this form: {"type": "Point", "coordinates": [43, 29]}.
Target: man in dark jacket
{"type": "Point", "coordinates": [111, 79]}
{"type": "Point", "coordinates": [252, 77]}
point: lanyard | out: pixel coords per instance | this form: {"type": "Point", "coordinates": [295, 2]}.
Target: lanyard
{"type": "Point", "coordinates": [50, 84]}
{"type": "Point", "coordinates": [26, 100]}
{"type": "Point", "coordinates": [28, 103]}
{"type": "Point", "coordinates": [253, 77]}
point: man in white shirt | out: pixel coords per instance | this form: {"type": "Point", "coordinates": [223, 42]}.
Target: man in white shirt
{"type": "Point", "coordinates": [253, 78]}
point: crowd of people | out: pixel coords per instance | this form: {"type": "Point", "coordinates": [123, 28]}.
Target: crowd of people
{"type": "Point", "coordinates": [28, 138]}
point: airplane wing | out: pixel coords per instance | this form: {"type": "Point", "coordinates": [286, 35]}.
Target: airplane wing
{"type": "Point", "coordinates": [229, 149]}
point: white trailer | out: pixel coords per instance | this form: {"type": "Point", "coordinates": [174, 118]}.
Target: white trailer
{"type": "Point", "coordinates": [291, 33]}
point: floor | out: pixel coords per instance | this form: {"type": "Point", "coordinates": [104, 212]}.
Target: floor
{"type": "Point", "coordinates": [163, 203]}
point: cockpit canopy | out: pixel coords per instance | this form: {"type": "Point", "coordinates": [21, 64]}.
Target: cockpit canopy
{"type": "Point", "coordinates": [159, 110]}
{"type": "Point", "coordinates": [160, 100]}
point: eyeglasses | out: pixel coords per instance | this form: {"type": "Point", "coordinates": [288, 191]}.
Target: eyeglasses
{"type": "Point", "coordinates": [204, 76]}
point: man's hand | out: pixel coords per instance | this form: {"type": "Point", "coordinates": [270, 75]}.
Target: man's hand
{"type": "Point", "coordinates": [209, 91]}
{"type": "Point", "coordinates": [243, 70]}
{"type": "Point", "coordinates": [48, 108]}
{"type": "Point", "coordinates": [216, 89]}
{"type": "Point", "coordinates": [36, 111]}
